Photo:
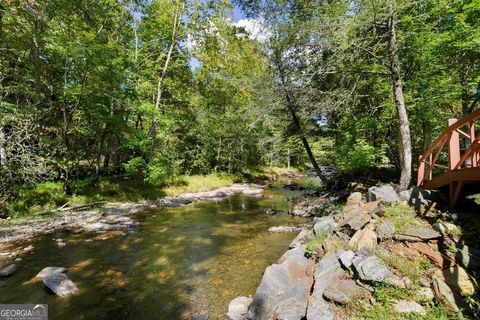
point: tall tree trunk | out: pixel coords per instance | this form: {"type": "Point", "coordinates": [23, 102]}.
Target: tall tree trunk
{"type": "Point", "coordinates": [427, 135]}
{"type": "Point", "coordinates": [3, 157]}
{"type": "Point", "coordinates": [405, 146]}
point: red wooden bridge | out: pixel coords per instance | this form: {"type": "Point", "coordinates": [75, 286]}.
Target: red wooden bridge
{"type": "Point", "coordinates": [453, 160]}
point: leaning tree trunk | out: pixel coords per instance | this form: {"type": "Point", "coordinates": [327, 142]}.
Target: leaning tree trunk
{"type": "Point", "coordinates": [405, 146]}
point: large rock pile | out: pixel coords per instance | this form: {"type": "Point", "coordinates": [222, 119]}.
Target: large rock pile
{"type": "Point", "coordinates": [356, 250]}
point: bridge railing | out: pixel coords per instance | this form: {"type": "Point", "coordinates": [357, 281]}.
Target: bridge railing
{"type": "Point", "coordinates": [456, 148]}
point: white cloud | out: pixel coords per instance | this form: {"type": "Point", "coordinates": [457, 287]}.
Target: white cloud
{"type": "Point", "coordinates": [256, 28]}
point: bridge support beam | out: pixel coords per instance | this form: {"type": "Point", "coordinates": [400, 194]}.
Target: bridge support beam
{"type": "Point", "coordinates": [453, 146]}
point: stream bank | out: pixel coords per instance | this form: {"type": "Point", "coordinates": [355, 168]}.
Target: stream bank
{"type": "Point", "coordinates": [384, 255]}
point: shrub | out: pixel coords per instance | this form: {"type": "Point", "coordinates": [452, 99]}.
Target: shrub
{"type": "Point", "coordinates": [360, 156]}
{"type": "Point", "coordinates": [136, 167]}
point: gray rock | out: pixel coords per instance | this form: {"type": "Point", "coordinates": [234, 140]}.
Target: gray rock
{"type": "Point", "coordinates": [355, 220]}
{"type": "Point", "coordinates": [383, 192]}
{"type": "Point", "coordinates": [98, 226]}
{"type": "Point", "coordinates": [346, 258]}
{"type": "Point", "coordinates": [60, 284]}
{"type": "Point", "coordinates": [408, 306]}
{"type": "Point", "coordinates": [444, 295]}
{"type": "Point", "coordinates": [285, 229]}
{"type": "Point", "coordinates": [238, 308]}
{"type": "Point", "coordinates": [372, 269]}
{"type": "Point", "coordinates": [270, 212]}
{"type": "Point", "coordinates": [405, 195]}
{"type": "Point", "coordinates": [48, 271]}
{"type": "Point", "coordinates": [418, 234]}
{"type": "Point", "coordinates": [469, 257]}
{"type": "Point", "coordinates": [327, 269]}
{"type": "Point", "coordinates": [284, 289]}
{"type": "Point", "coordinates": [385, 230]}
{"type": "Point", "coordinates": [425, 294]}
{"type": "Point", "coordinates": [8, 270]}
{"type": "Point", "coordinates": [324, 225]}
{"type": "Point", "coordinates": [445, 228]}
{"type": "Point", "coordinates": [344, 291]}
{"type": "Point", "coordinates": [300, 239]}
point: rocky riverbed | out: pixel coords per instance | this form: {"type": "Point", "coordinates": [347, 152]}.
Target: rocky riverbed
{"type": "Point", "coordinates": [375, 257]}
{"type": "Point", "coordinates": [112, 216]}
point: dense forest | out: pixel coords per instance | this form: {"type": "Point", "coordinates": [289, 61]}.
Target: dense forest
{"type": "Point", "coordinates": [152, 90]}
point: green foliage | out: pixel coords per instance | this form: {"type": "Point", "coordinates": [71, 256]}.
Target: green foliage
{"type": "Point", "coordinates": [360, 156]}
{"type": "Point", "coordinates": [136, 167]}
{"type": "Point", "coordinates": [313, 243]}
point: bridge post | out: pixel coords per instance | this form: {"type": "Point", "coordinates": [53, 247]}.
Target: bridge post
{"type": "Point", "coordinates": [472, 140]}
{"type": "Point", "coordinates": [421, 172]}
{"type": "Point", "coordinates": [453, 146]}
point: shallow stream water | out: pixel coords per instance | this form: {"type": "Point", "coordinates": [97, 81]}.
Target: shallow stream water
{"type": "Point", "coordinates": [180, 263]}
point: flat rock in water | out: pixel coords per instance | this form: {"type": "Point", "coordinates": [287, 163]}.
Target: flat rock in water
{"type": "Point", "coordinates": [344, 291]}
{"type": "Point", "coordinates": [284, 229]}
{"type": "Point", "coordinates": [418, 234]}
{"type": "Point", "coordinates": [48, 271]}
{"type": "Point", "coordinates": [324, 225]}
{"type": "Point", "coordinates": [104, 226]}
{"type": "Point", "coordinates": [60, 284]}
{"type": "Point", "coordinates": [238, 308]}
{"type": "Point", "coordinates": [408, 306]}
{"type": "Point", "coordinates": [8, 270]}
{"type": "Point", "coordinates": [300, 239]}
{"type": "Point", "coordinates": [327, 269]}
{"type": "Point", "coordinates": [284, 289]}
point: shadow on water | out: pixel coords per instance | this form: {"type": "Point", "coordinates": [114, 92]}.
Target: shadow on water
{"type": "Point", "coordinates": [180, 263]}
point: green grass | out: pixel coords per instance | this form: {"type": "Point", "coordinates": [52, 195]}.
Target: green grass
{"type": "Point", "coordinates": [314, 242]}
{"type": "Point", "coordinates": [402, 216]}
{"type": "Point", "coordinates": [41, 199]}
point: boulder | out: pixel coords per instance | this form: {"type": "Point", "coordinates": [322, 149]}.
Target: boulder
{"type": "Point", "coordinates": [405, 195]}
{"type": "Point", "coordinates": [346, 258]}
{"type": "Point", "coordinates": [324, 225]}
{"type": "Point", "coordinates": [469, 257]}
{"type": "Point", "coordinates": [458, 279]}
{"type": "Point", "coordinates": [445, 228]}
{"type": "Point", "coordinates": [48, 271]}
{"type": "Point", "coordinates": [285, 229]}
{"type": "Point", "coordinates": [60, 284]}
{"type": "Point", "coordinates": [301, 238]}
{"type": "Point", "coordinates": [284, 289]}
{"type": "Point", "coordinates": [418, 234]}
{"type": "Point", "coordinates": [365, 238]}
{"type": "Point", "coordinates": [355, 219]}
{"type": "Point", "coordinates": [238, 308]}
{"type": "Point", "coordinates": [372, 269]}
{"type": "Point", "coordinates": [444, 295]}
{"type": "Point", "coordinates": [385, 230]}
{"type": "Point", "coordinates": [327, 270]}
{"type": "Point", "coordinates": [408, 306]}
{"type": "Point", "coordinates": [8, 270]}
{"type": "Point", "coordinates": [344, 291]}
{"type": "Point", "coordinates": [374, 209]}
{"type": "Point", "coordinates": [383, 192]}
{"type": "Point", "coordinates": [425, 294]}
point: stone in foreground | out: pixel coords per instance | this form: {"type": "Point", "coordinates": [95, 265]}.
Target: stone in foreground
{"type": "Point", "coordinates": [344, 291]}
{"type": "Point", "coordinates": [324, 225]}
{"type": "Point", "coordinates": [284, 289]}
{"type": "Point", "coordinates": [300, 239]}
{"type": "Point", "coordinates": [327, 270]}
{"type": "Point", "coordinates": [8, 270]}
{"type": "Point", "coordinates": [238, 308]}
{"type": "Point", "coordinates": [372, 269]}
{"type": "Point", "coordinates": [48, 271]}
{"type": "Point", "coordinates": [60, 284]}
{"type": "Point", "coordinates": [408, 306]}
{"type": "Point", "coordinates": [444, 295]}
{"type": "Point", "coordinates": [418, 234]}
